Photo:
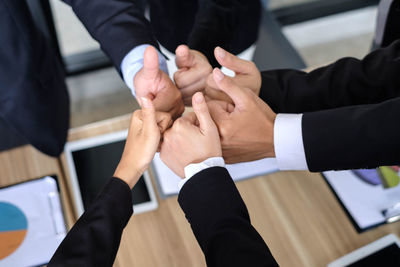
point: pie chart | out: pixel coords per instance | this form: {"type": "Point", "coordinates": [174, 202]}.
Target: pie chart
{"type": "Point", "coordinates": [13, 228]}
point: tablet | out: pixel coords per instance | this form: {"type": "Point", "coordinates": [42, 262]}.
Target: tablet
{"type": "Point", "coordinates": [382, 252]}
{"type": "Point", "coordinates": [92, 162]}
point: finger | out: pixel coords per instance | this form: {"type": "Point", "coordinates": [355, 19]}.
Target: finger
{"type": "Point", "coordinates": [192, 118]}
{"type": "Point", "coordinates": [166, 100]}
{"type": "Point", "coordinates": [231, 61]}
{"type": "Point", "coordinates": [192, 89]}
{"type": "Point", "coordinates": [164, 121]}
{"type": "Point", "coordinates": [183, 57]}
{"type": "Point", "coordinates": [226, 84]}
{"type": "Point", "coordinates": [210, 81]}
{"type": "Point", "coordinates": [217, 95]}
{"type": "Point", "coordinates": [148, 114]}
{"type": "Point", "coordinates": [185, 78]}
{"type": "Point", "coordinates": [201, 109]}
{"type": "Point", "coordinates": [176, 109]}
{"type": "Point", "coordinates": [219, 112]}
{"type": "Point", "coordinates": [150, 63]}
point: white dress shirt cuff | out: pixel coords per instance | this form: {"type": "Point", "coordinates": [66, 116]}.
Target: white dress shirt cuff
{"type": "Point", "coordinates": [288, 142]}
{"type": "Point", "coordinates": [133, 63]}
{"type": "Point", "coordinates": [194, 168]}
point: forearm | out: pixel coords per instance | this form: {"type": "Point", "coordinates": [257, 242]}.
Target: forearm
{"type": "Point", "coordinates": [95, 238]}
{"type": "Point", "coordinates": [118, 26]}
{"type": "Point", "coordinates": [220, 220]}
{"type": "Point", "coordinates": [352, 137]}
{"type": "Point", "coordinates": [346, 82]}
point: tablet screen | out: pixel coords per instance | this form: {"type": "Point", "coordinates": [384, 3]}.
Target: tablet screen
{"type": "Point", "coordinates": [387, 256]}
{"type": "Point", "coordinates": [95, 165]}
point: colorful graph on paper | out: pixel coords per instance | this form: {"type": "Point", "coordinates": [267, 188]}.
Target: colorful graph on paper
{"type": "Point", "coordinates": [13, 228]}
{"type": "Point", "coordinates": [388, 176]}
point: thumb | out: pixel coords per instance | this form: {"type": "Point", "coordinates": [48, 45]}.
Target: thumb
{"type": "Point", "coordinates": [184, 58]}
{"type": "Point", "coordinates": [150, 63]}
{"type": "Point", "coordinates": [231, 61]}
{"type": "Point", "coordinates": [226, 84]}
{"type": "Point", "coordinates": [148, 114]}
{"type": "Point", "coordinates": [202, 113]}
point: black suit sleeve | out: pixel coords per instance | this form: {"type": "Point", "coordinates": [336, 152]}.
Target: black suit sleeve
{"type": "Point", "coordinates": [95, 238]}
{"type": "Point", "coordinates": [220, 221]}
{"type": "Point", "coordinates": [354, 137]}
{"type": "Point", "coordinates": [351, 109]}
{"type": "Point", "coordinates": [118, 25]}
{"type": "Point", "coordinates": [231, 24]}
{"type": "Point", "coordinates": [346, 82]}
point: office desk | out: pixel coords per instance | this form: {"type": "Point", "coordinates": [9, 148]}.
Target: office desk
{"type": "Point", "coordinates": [25, 163]}
{"type": "Point", "coordinates": [295, 212]}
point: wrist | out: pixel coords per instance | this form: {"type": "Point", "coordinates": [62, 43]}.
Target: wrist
{"type": "Point", "coordinates": [129, 173]}
{"type": "Point", "coordinates": [270, 145]}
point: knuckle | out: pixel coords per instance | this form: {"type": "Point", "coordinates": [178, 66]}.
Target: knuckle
{"type": "Point", "coordinates": [251, 65]}
{"type": "Point", "coordinates": [137, 113]}
{"type": "Point", "coordinates": [224, 130]}
{"type": "Point", "coordinates": [177, 77]}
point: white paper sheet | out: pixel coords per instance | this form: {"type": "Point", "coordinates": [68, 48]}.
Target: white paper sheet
{"type": "Point", "coordinates": [364, 202]}
{"type": "Point", "coordinates": [168, 180]}
{"type": "Point", "coordinates": [39, 201]}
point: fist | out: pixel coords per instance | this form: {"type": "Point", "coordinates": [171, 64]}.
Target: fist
{"type": "Point", "coordinates": [193, 69]}
{"type": "Point", "coordinates": [246, 75]}
{"type": "Point", "coordinates": [142, 142]}
{"type": "Point", "coordinates": [192, 138]}
{"type": "Point", "coordinates": [246, 127]}
{"type": "Point", "coordinates": [153, 83]}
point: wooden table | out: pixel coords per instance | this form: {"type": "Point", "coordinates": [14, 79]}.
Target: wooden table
{"type": "Point", "coordinates": [295, 212]}
{"type": "Point", "coordinates": [26, 163]}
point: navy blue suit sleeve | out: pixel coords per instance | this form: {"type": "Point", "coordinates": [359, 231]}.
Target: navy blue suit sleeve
{"type": "Point", "coordinates": [118, 25]}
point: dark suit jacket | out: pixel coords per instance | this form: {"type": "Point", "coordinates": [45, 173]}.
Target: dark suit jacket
{"type": "Point", "coordinates": [212, 204]}
{"type": "Point", "coordinates": [351, 109]}
{"type": "Point", "coordinates": [33, 96]}
{"type": "Point", "coordinates": [202, 24]}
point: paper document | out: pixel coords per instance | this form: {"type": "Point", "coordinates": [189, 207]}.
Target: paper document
{"type": "Point", "coordinates": [168, 180]}
{"type": "Point", "coordinates": [31, 223]}
{"type": "Point", "coordinates": [363, 199]}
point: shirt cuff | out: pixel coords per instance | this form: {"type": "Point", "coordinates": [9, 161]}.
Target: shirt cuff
{"type": "Point", "coordinates": [194, 168]}
{"type": "Point", "coordinates": [133, 63]}
{"type": "Point", "coordinates": [288, 142]}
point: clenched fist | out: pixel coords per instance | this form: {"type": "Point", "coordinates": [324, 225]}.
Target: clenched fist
{"type": "Point", "coordinates": [153, 83]}
{"type": "Point", "coordinates": [192, 139]}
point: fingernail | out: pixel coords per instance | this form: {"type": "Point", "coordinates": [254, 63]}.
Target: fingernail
{"type": "Point", "coordinates": [220, 52]}
{"type": "Point", "coordinates": [145, 102]}
{"type": "Point", "coordinates": [218, 75]}
{"type": "Point", "coordinates": [198, 98]}
{"type": "Point", "coordinates": [182, 51]}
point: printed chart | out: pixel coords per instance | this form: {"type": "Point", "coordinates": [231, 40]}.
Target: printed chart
{"type": "Point", "coordinates": [13, 228]}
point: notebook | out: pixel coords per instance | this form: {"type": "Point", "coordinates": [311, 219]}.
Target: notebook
{"type": "Point", "coordinates": [31, 222]}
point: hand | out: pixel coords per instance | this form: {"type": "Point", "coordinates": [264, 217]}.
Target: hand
{"type": "Point", "coordinates": [192, 139]}
{"type": "Point", "coordinates": [246, 127]}
{"type": "Point", "coordinates": [193, 69]}
{"type": "Point", "coordinates": [246, 75]}
{"type": "Point", "coordinates": [153, 83]}
{"type": "Point", "coordinates": [145, 131]}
